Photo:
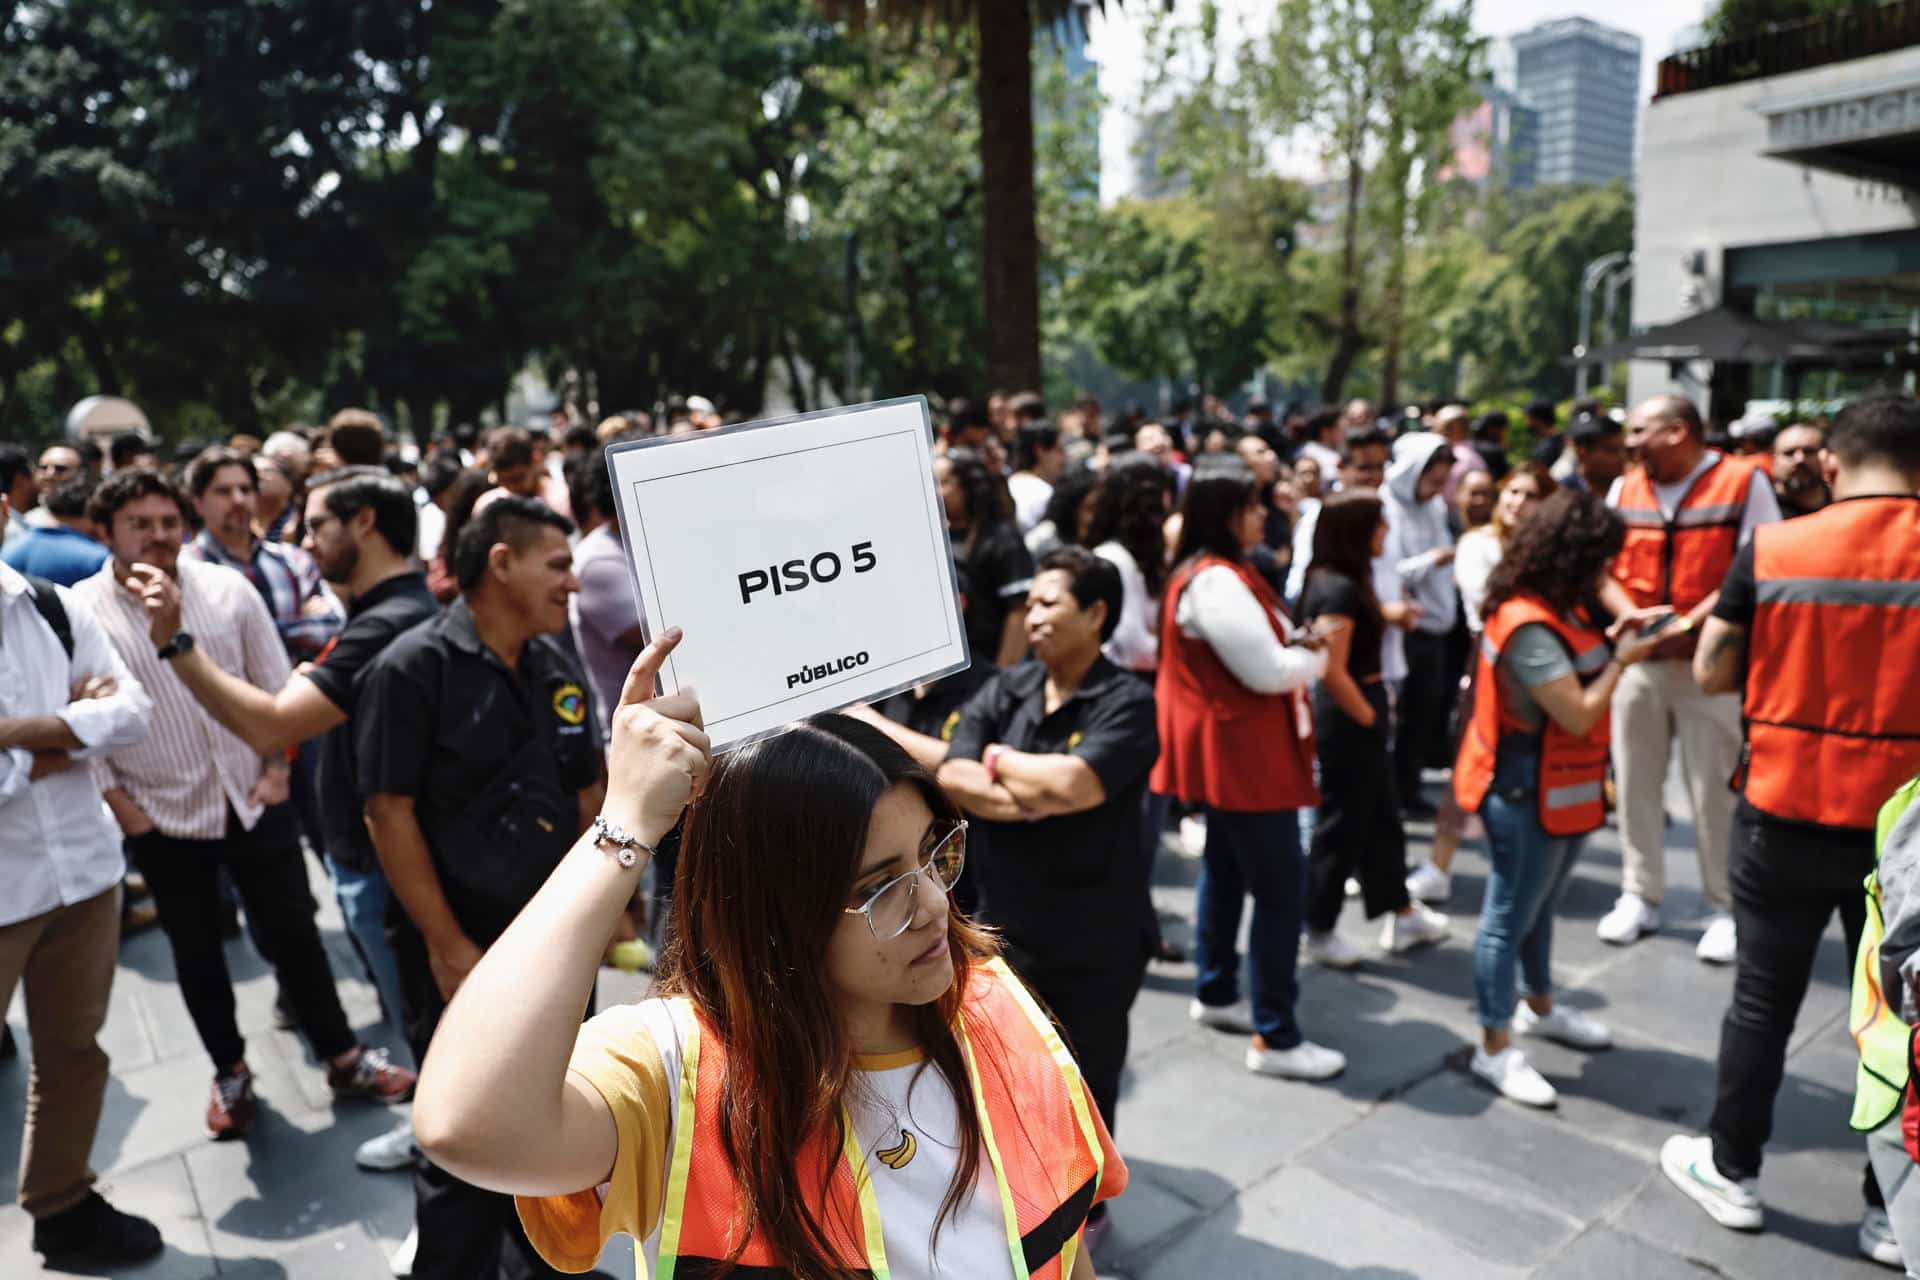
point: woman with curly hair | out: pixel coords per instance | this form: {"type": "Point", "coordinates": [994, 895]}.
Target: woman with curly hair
{"type": "Point", "coordinates": [1532, 764]}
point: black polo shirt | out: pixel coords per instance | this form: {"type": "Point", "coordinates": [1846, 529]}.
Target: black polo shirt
{"type": "Point", "coordinates": [1070, 892]}
{"type": "Point", "coordinates": [494, 759]}
{"type": "Point", "coordinates": [374, 621]}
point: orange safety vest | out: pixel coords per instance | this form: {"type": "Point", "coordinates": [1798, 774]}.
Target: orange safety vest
{"type": "Point", "coordinates": [1832, 702]}
{"type": "Point", "coordinates": [1038, 1122]}
{"type": "Point", "coordinates": [1683, 560]}
{"type": "Point", "coordinates": [1572, 768]}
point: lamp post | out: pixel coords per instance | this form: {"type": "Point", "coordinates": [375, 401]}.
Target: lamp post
{"type": "Point", "coordinates": [1589, 278]}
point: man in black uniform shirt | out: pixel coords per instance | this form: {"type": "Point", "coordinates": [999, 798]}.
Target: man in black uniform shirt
{"type": "Point", "coordinates": [1051, 758]}
{"type": "Point", "coordinates": [480, 764]}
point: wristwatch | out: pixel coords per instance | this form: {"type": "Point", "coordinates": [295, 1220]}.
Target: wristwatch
{"type": "Point", "coordinates": [182, 642]}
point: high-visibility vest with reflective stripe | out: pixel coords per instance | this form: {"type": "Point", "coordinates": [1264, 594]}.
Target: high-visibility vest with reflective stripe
{"type": "Point", "coordinates": [1832, 700]}
{"type": "Point", "coordinates": [1573, 769]}
{"type": "Point", "coordinates": [1885, 1043]}
{"type": "Point", "coordinates": [1683, 560]}
{"type": "Point", "coordinates": [1036, 1118]}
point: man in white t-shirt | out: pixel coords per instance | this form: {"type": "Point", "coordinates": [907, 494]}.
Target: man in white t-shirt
{"type": "Point", "coordinates": [1681, 505]}
{"type": "Point", "coordinates": [1038, 460]}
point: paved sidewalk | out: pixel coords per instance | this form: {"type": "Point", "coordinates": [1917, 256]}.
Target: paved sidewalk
{"type": "Point", "coordinates": [1405, 1167]}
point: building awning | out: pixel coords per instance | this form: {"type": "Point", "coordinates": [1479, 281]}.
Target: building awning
{"type": "Point", "coordinates": [1726, 336]}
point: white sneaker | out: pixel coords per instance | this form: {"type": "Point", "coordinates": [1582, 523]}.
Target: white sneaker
{"type": "Point", "coordinates": [1688, 1164]}
{"type": "Point", "coordinates": [1507, 1071]}
{"type": "Point", "coordinates": [1331, 951]}
{"type": "Point", "coordinates": [391, 1150]}
{"type": "Point", "coordinates": [1877, 1241]}
{"type": "Point", "coordinates": [1305, 1061]}
{"type": "Point", "coordinates": [1568, 1026]}
{"type": "Point", "coordinates": [1428, 883]}
{"type": "Point", "coordinates": [1718, 943]}
{"type": "Point", "coordinates": [1222, 1017]}
{"type": "Point", "coordinates": [1419, 926]}
{"type": "Point", "coordinates": [1193, 836]}
{"type": "Point", "coordinates": [401, 1263]}
{"type": "Point", "coordinates": [1631, 919]}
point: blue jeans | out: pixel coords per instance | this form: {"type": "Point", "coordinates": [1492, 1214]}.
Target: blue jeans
{"type": "Point", "coordinates": [1529, 876]}
{"type": "Point", "coordinates": [363, 898]}
{"type": "Point", "coordinates": [1258, 854]}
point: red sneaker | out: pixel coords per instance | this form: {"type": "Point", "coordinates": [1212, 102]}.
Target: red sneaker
{"type": "Point", "coordinates": [231, 1110]}
{"type": "Point", "coordinates": [371, 1075]}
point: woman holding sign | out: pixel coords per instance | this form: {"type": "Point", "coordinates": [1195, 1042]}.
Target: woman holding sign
{"type": "Point", "coordinates": [840, 1075]}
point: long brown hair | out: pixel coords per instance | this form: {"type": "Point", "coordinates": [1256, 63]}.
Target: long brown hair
{"type": "Point", "coordinates": [1343, 541]}
{"type": "Point", "coordinates": [767, 868]}
{"type": "Point", "coordinates": [1543, 485]}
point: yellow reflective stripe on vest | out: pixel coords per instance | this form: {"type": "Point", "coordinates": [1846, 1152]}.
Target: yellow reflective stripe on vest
{"type": "Point", "coordinates": [1076, 1093]}
{"type": "Point", "coordinates": [870, 1229]}
{"type": "Point", "coordinates": [1008, 1214]}
{"type": "Point", "coordinates": [686, 1116]}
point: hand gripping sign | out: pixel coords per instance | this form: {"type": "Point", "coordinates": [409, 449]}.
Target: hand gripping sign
{"type": "Point", "coordinates": [806, 558]}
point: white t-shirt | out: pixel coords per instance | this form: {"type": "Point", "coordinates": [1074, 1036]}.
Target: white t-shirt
{"type": "Point", "coordinates": [1030, 497]}
{"type": "Point", "coordinates": [1763, 507]}
{"type": "Point", "coordinates": [892, 1101]}
{"type": "Point", "coordinates": [1474, 558]}
{"type": "Point", "coordinates": [1135, 644]}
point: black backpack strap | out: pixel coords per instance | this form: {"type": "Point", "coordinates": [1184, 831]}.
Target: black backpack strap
{"type": "Point", "coordinates": [46, 599]}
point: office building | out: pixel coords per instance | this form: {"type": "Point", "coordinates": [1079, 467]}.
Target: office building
{"type": "Point", "coordinates": [1583, 82]}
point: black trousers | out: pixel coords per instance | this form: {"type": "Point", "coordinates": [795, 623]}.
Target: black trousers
{"type": "Point", "coordinates": [267, 868]}
{"type": "Point", "coordinates": [1090, 1007]}
{"type": "Point", "coordinates": [1788, 879]}
{"type": "Point", "coordinates": [466, 1232]}
{"type": "Point", "coordinates": [1426, 699]}
{"type": "Point", "coordinates": [1356, 829]}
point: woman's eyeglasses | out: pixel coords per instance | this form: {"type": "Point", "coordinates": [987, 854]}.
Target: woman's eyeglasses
{"type": "Point", "coordinates": [890, 908]}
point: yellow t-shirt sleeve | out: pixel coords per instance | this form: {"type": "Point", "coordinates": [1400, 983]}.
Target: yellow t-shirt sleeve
{"type": "Point", "coordinates": [616, 1054]}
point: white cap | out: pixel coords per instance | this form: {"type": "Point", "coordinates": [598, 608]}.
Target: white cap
{"type": "Point", "coordinates": [699, 404]}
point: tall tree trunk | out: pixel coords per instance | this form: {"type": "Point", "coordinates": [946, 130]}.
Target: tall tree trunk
{"type": "Point", "coordinates": [1347, 337]}
{"type": "Point", "coordinates": [1011, 262]}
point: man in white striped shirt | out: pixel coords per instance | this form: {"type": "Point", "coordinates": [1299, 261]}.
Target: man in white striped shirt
{"type": "Point", "coordinates": [64, 696]}
{"type": "Point", "coordinates": [194, 799]}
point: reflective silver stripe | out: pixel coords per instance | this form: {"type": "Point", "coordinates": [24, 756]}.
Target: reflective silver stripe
{"type": "Point", "coordinates": [1487, 649]}
{"type": "Point", "coordinates": [1724, 513]}
{"type": "Point", "coordinates": [1641, 518]}
{"type": "Point", "coordinates": [1593, 659]}
{"type": "Point", "coordinates": [1568, 797]}
{"type": "Point", "coordinates": [1892, 593]}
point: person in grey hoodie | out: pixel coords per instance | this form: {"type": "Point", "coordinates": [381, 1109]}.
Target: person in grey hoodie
{"type": "Point", "coordinates": [1420, 549]}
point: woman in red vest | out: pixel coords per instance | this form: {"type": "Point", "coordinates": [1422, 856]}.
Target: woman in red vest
{"type": "Point", "coordinates": [1533, 765]}
{"type": "Point", "coordinates": [840, 1075]}
{"type": "Point", "coordinates": [1236, 737]}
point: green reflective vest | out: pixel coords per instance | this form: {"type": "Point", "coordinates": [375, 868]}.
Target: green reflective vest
{"type": "Point", "coordinates": [1883, 1040]}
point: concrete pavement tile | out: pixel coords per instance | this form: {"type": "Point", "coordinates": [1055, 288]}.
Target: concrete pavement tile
{"type": "Point", "coordinates": [1212, 1125]}
{"type": "Point", "coordinates": [1160, 1012]}
{"type": "Point", "coordinates": [1813, 1211]}
{"type": "Point", "coordinates": [1391, 1035]}
{"type": "Point", "coordinates": [159, 1191]}
{"type": "Point", "coordinates": [1632, 1096]}
{"type": "Point", "coordinates": [1301, 1226]}
{"type": "Point", "coordinates": [1659, 993]}
{"type": "Point", "coordinates": [282, 1187]}
{"type": "Point", "coordinates": [333, 1255]}
{"type": "Point", "coordinates": [1453, 1157]}
{"type": "Point", "coordinates": [161, 1109]}
{"type": "Point", "coordinates": [1146, 1214]}
{"type": "Point", "coordinates": [1606, 1254]}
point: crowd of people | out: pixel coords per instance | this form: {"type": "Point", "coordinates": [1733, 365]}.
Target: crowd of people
{"type": "Point", "coordinates": [1253, 639]}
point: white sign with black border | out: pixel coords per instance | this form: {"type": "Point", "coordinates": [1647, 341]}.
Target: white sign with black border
{"type": "Point", "coordinates": [806, 559]}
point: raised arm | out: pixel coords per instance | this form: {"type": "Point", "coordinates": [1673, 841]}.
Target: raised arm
{"type": "Point", "coordinates": [495, 1104]}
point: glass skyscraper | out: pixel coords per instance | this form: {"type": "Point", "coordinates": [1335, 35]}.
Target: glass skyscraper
{"type": "Point", "coordinates": [1582, 80]}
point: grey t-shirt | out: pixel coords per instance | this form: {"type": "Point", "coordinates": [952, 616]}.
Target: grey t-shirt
{"type": "Point", "coordinates": [1533, 656]}
{"type": "Point", "coordinates": [603, 611]}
